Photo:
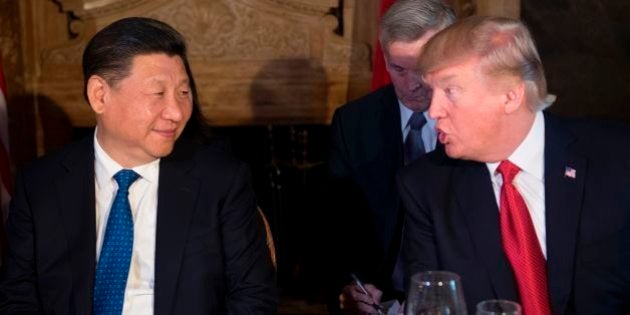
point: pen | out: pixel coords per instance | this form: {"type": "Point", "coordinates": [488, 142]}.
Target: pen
{"type": "Point", "coordinates": [360, 285]}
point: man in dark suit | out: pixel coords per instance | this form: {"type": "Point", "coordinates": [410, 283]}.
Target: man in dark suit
{"type": "Point", "coordinates": [522, 205]}
{"type": "Point", "coordinates": [368, 140]}
{"type": "Point", "coordinates": [134, 220]}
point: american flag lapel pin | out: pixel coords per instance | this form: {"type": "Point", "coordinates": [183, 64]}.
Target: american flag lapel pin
{"type": "Point", "coordinates": [569, 172]}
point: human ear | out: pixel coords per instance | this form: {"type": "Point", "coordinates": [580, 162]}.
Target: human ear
{"type": "Point", "coordinates": [96, 90]}
{"type": "Point", "coordinates": [514, 97]}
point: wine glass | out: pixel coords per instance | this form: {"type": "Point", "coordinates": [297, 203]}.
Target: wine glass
{"type": "Point", "coordinates": [435, 293]}
{"type": "Point", "coordinates": [498, 307]}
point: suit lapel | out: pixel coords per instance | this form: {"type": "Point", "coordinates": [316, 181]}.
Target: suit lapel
{"type": "Point", "coordinates": [75, 190]}
{"type": "Point", "coordinates": [391, 125]}
{"type": "Point", "coordinates": [176, 203]}
{"type": "Point", "coordinates": [476, 201]}
{"type": "Point", "coordinates": [392, 152]}
{"type": "Point", "coordinates": [563, 195]}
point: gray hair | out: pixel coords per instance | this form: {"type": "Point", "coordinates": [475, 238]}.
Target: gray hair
{"type": "Point", "coordinates": [408, 20]}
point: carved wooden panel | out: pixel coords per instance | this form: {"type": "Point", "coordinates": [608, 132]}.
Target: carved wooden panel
{"type": "Point", "coordinates": [255, 61]}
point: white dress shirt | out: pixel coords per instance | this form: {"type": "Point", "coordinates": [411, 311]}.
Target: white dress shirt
{"type": "Point", "coordinates": [429, 136]}
{"type": "Point", "coordinates": [530, 181]}
{"type": "Point", "coordinates": [143, 201]}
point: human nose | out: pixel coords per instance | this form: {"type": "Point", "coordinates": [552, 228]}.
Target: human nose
{"type": "Point", "coordinates": [414, 80]}
{"type": "Point", "coordinates": [436, 107]}
{"type": "Point", "coordinates": [174, 109]}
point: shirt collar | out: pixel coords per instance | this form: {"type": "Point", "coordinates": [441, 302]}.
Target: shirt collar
{"type": "Point", "coordinates": [529, 155]}
{"type": "Point", "coordinates": [405, 114]}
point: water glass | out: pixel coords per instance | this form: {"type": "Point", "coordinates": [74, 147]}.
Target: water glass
{"type": "Point", "coordinates": [435, 293]}
{"type": "Point", "coordinates": [498, 307]}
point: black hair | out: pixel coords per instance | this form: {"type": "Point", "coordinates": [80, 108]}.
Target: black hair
{"type": "Point", "coordinates": [109, 54]}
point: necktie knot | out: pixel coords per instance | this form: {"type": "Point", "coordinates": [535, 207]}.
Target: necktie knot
{"type": "Point", "coordinates": [125, 178]}
{"type": "Point", "coordinates": [508, 171]}
{"type": "Point", "coordinates": [417, 121]}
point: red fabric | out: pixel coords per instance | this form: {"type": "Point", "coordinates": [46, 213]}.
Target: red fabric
{"type": "Point", "coordinates": [380, 77]}
{"type": "Point", "coordinates": [521, 246]}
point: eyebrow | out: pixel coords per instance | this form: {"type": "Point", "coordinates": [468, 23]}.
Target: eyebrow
{"type": "Point", "coordinates": [393, 64]}
{"type": "Point", "coordinates": [446, 79]}
{"type": "Point", "coordinates": [161, 80]}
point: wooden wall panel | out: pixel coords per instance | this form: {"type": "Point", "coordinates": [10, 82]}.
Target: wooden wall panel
{"type": "Point", "coordinates": [255, 61]}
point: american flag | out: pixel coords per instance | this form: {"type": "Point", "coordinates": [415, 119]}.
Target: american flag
{"type": "Point", "coordinates": [569, 172]}
{"type": "Point", "coordinates": [6, 180]}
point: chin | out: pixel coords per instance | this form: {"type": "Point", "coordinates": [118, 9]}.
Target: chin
{"type": "Point", "coordinates": [452, 152]}
{"type": "Point", "coordinates": [162, 151]}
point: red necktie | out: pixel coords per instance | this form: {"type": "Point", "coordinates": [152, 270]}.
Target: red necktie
{"type": "Point", "coordinates": [521, 246]}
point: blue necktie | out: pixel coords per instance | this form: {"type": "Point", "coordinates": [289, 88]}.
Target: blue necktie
{"type": "Point", "coordinates": [414, 147]}
{"type": "Point", "coordinates": [113, 264]}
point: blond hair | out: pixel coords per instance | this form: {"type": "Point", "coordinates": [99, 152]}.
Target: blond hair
{"type": "Point", "coordinates": [504, 46]}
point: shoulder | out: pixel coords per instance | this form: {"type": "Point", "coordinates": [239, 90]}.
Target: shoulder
{"type": "Point", "coordinates": [369, 103]}
{"type": "Point", "coordinates": [593, 137]}
{"type": "Point", "coordinates": [205, 160]}
{"type": "Point", "coordinates": [62, 160]}
{"type": "Point", "coordinates": [432, 168]}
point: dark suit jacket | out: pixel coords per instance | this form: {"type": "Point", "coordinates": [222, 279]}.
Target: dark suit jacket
{"type": "Point", "coordinates": [210, 256]}
{"type": "Point", "coordinates": [366, 154]}
{"type": "Point", "coordinates": [452, 221]}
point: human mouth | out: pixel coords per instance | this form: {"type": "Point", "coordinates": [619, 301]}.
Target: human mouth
{"type": "Point", "coordinates": [167, 133]}
{"type": "Point", "coordinates": [441, 136]}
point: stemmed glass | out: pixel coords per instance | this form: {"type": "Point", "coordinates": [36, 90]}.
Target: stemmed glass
{"type": "Point", "coordinates": [498, 307]}
{"type": "Point", "coordinates": [435, 293]}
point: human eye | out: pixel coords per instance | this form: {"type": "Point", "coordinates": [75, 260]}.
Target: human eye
{"type": "Point", "coordinates": [451, 92]}
{"type": "Point", "coordinates": [185, 91]}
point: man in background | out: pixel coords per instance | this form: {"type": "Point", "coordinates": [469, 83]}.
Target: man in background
{"type": "Point", "coordinates": [523, 205]}
{"type": "Point", "coordinates": [372, 138]}
{"type": "Point", "coordinates": [135, 220]}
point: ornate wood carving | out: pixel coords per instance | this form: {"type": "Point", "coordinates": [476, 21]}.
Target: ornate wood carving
{"type": "Point", "coordinates": [255, 61]}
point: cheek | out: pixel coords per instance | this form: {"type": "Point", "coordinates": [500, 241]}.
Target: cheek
{"type": "Point", "coordinates": [397, 79]}
{"type": "Point", "coordinates": [187, 110]}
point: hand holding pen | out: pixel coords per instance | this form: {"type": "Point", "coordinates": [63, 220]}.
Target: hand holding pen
{"type": "Point", "coordinates": [360, 298]}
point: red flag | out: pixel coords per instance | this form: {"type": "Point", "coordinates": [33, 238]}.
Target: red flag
{"type": "Point", "coordinates": [6, 180]}
{"type": "Point", "coordinates": [380, 76]}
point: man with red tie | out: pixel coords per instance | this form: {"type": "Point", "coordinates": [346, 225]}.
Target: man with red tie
{"type": "Point", "coordinates": [523, 205]}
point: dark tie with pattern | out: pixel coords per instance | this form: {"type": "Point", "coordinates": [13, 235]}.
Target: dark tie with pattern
{"type": "Point", "coordinates": [414, 147]}
{"type": "Point", "coordinates": [113, 265]}
{"type": "Point", "coordinates": [521, 245]}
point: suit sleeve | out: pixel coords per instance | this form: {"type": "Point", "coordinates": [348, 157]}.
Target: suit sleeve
{"type": "Point", "coordinates": [251, 287]}
{"type": "Point", "coordinates": [419, 244]}
{"type": "Point", "coordinates": [18, 289]}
